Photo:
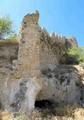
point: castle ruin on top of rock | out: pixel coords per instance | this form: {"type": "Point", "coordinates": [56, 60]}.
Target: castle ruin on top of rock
{"type": "Point", "coordinates": [37, 49]}
{"type": "Point", "coordinates": [30, 70]}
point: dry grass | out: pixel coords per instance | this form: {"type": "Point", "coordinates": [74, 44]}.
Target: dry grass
{"type": "Point", "coordinates": [4, 115]}
{"type": "Point", "coordinates": [57, 113]}
{"type": "Point", "coordinates": [9, 42]}
{"type": "Point", "coordinates": [54, 113]}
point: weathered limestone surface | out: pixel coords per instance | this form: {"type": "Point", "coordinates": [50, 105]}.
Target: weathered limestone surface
{"type": "Point", "coordinates": [36, 74]}
{"type": "Point", "coordinates": [61, 84]}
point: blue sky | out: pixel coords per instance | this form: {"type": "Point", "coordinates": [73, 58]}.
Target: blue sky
{"type": "Point", "coordinates": [65, 17]}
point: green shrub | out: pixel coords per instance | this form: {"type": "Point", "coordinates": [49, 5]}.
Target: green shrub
{"type": "Point", "coordinates": [6, 27]}
{"type": "Point", "coordinates": [12, 37]}
{"type": "Point", "coordinates": [77, 53]}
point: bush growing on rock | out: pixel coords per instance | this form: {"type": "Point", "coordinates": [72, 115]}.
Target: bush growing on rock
{"type": "Point", "coordinates": [77, 53]}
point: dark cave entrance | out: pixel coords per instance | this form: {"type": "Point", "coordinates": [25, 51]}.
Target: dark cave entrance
{"type": "Point", "coordinates": [42, 103]}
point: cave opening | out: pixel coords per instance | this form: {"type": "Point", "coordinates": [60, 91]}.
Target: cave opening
{"type": "Point", "coordinates": [42, 104]}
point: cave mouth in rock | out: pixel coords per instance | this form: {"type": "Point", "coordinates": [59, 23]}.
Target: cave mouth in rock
{"type": "Point", "coordinates": [42, 103]}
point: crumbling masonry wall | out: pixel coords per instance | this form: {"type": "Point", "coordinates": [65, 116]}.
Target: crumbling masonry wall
{"type": "Point", "coordinates": [8, 50]}
{"type": "Point", "coordinates": [37, 49]}
{"type": "Point", "coordinates": [50, 51]}
{"type": "Point", "coordinates": [28, 55]}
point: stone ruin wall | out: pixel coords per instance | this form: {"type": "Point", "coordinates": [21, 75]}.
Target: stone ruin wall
{"type": "Point", "coordinates": [52, 48]}
{"type": "Point", "coordinates": [51, 51]}
{"type": "Point", "coordinates": [28, 55]}
{"type": "Point", "coordinates": [48, 57]}
{"type": "Point", "coordinates": [37, 49]}
{"type": "Point", "coordinates": [41, 49]}
{"type": "Point", "coordinates": [8, 52]}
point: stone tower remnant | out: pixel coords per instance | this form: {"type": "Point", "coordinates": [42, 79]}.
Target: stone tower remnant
{"type": "Point", "coordinates": [37, 49]}
{"type": "Point", "coordinates": [28, 54]}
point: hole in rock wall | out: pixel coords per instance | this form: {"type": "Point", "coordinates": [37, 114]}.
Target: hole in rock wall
{"type": "Point", "coordinates": [42, 103]}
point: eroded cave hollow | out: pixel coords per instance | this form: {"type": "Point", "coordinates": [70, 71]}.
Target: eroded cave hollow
{"type": "Point", "coordinates": [43, 103]}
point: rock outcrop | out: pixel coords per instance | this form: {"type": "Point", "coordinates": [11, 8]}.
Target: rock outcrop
{"type": "Point", "coordinates": [35, 73]}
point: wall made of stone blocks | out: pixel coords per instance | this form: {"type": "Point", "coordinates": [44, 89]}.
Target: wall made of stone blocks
{"type": "Point", "coordinates": [28, 55]}
{"type": "Point", "coordinates": [47, 56]}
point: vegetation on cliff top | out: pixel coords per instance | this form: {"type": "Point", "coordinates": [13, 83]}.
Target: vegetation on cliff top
{"type": "Point", "coordinates": [6, 28]}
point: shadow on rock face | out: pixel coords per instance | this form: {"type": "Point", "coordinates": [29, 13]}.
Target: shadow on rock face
{"type": "Point", "coordinates": [1, 106]}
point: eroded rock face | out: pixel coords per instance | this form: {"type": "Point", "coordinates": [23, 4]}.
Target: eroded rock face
{"type": "Point", "coordinates": [61, 84]}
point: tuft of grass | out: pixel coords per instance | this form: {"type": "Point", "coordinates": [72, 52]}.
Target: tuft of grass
{"type": "Point", "coordinates": [9, 42]}
{"type": "Point", "coordinates": [21, 116]}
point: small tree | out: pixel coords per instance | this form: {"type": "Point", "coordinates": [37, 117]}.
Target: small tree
{"type": "Point", "coordinates": [12, 36]}
{"type": "Point", "coordinates": [5, 27]}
